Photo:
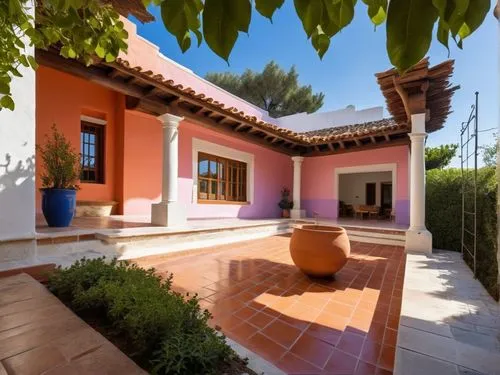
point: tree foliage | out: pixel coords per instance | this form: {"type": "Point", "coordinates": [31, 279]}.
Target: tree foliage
{"type": "Point", "coordinates": [90, 29]}
{"type": "Point", "coordinates": [410, 23]}
{"type": "Point", "coordinates": [490, 153]}
{"type": "Point", "coordinates": [273, 90]}
{"type": "Point", "coordinates": [439, 157]}
{"type": "Point", "coordinates": [86, 30]}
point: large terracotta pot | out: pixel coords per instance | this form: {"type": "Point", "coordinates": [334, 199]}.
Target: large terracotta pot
{"type": "Point", "coordinates": [319, 250]}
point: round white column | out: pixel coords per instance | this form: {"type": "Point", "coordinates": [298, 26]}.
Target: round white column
{"type": "Point", "coordinates": [170, 125]}
{"type": "Point", "coordinates": [296, 212]}
{"type": "Point", "coordinates": [418, 238]}
{"type": "Point", "coordinates": [169, 212]}
{"type": "Point", "coordinates": [417, 181]}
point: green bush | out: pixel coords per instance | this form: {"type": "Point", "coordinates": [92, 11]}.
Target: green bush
{"type": "Point", "coordinates": [444, 218]}
{"type": "Point", "coordinates": [158, 328]}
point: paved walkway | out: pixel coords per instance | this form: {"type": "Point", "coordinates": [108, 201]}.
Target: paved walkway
{"type": "Point", "coordinates": [38, 334]}
{"type": "Point", "coordinates": [449, 323]}
{"type": "Point", "coordinates": [261, 300]}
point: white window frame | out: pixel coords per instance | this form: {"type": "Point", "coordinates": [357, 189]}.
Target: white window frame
{"type": "Point", "coordinates": [388, 167]}
{"type": "Point", "coordinates": [215, 149]}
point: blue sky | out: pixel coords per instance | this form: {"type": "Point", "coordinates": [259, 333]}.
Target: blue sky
{"type": "Point", "coordinates": [346, 73]}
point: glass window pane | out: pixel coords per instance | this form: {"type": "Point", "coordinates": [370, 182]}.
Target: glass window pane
{"type": "Point", "coordinates": [92, 150]}
{"type": "Point", "coordinates": [212, 187]}
{"type": "Point", "coordinates": [203, 186]}
{"type": "Point", "coordinates": [222, 170]}
{"type": "Point", "coordinates": [222, 190]}
{"type": "Point", "coordinates": [203, 168]}
{"type": "Point", "coordinates": [92, 138]}
{"type": "Point", "coordinates": [213, 169]}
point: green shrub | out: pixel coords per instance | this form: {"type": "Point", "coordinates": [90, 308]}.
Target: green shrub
{"type": "Point", "coordinates": [162, 331]}
{"type": "Point", "coordinates": [444, 218]}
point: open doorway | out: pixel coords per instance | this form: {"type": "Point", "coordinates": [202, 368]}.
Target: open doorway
{"type": "Point", "coordinates": [366, 195]}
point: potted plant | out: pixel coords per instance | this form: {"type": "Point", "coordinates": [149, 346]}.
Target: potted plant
{"type": "Point", "coordinates": [61, 172]}
{"type": "Point", "coordinates": [285, 203]}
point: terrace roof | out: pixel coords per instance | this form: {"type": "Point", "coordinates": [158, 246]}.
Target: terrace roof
{"type": "Point", "coordinates": [158, 85]}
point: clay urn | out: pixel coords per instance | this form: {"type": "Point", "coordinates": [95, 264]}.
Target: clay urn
{"type": "Point", "coordinates": [319, 250]}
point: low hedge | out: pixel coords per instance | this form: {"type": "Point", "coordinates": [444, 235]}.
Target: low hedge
{"type": "Point", "coordinates": [444, 218]}
{"type": "Point", "coordinates": [161, 330]}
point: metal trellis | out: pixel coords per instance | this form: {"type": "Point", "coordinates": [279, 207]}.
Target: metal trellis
{"type": "Point", "coordinates": [468, 155]}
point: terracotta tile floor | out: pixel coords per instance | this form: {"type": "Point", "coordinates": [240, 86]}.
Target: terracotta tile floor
{"type": "Point", "coordinates": [259, 298]}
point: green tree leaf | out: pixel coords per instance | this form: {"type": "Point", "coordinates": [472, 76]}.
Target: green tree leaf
{"type": "Point", "coordinates": [32, 61]}
{"type": "Point", "coordinates": [443, 34]}
{"type": "Point", "coordinates": [377, 11]}
{"type": "Point", "coordinates": [310, 13]}
{"type": "Point", "coordinates": [7, 102]}
{"type": "Point", "coordinates": [4, 88]}
{"type": "Point", "coordinates": [474, 17]}
{"type": "Point", "coordinates": [268, 7]}
{"type": "Point", "coordinates": [220, 27]}
{"type": "Point", "coordinates": [320, 42]}
{"type": "Point", "coordinates": [343, 12]}
{"type": "Point", "coordinates": [409, 31]}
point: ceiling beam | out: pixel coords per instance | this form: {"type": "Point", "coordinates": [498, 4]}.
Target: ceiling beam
{"type": "Point", "coordinates": [240, 126]}
{"type": "Point", "coordinates": [370, 146]}
{"type": "Point", "coordinates": [209, 124]}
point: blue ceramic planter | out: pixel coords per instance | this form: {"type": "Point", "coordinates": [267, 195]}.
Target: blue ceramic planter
{"type": "Point", "coordinates": [58, 206]}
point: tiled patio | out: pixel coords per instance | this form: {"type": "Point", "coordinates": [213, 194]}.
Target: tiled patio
{"type": "Point", "coordinates": [259, 298]}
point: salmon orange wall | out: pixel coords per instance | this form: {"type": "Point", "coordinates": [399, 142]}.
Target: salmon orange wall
{"type": "Point", "coordinates": [61, 99]}
{"type": "Point", "coordinates": [142, 163]}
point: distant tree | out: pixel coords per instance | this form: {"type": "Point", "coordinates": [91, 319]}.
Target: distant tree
{"type": "Point", "coordinates": [439, 157]}
{"type": "Point", "coordinates": [490, 154]}
{"type": "Point", "coordinates": [273, 90]}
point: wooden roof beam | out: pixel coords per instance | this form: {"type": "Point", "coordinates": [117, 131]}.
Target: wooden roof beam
{"type": "Point", "coordinates": [330, 146]}
{"type": "Point", "coordinates": [358, 142]}
{"type": "Point", "coordinates": [372, 139]}
{"type": "Point", "coordinates": [342, 144]}
{"type": "Point", "coordinates": [240, 126]}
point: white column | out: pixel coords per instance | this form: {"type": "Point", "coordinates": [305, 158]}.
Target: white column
{"type": "Point", "coordinates": [296, 212]}
{"type": "Point", "coordinates": [418, 238]}
{"type": "Point", "coordinates": [17, 166]}
{"type": "Point", "coordinates": [169, 212]}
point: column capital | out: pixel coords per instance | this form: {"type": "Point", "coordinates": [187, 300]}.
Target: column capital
{"type": "Point", "coordinates": [170, 120]}
{"type": "Point", "coordinates": [417, 137]}
{"type": "Point", "coordinates": [297, 159]}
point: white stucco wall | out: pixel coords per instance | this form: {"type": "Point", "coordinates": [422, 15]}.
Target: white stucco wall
{"type": "Point", "coordinates": [352, 187]}
{"type": "Point", "coordinates": [17, 161]}
{"type": "Point", "coordinates": [303, 122]}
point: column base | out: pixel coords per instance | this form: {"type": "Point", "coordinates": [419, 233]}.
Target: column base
{"type": "Point", "coordinates": [297, 214]}
{"type": "Point", "coordinates": [418, 241]}
{"type": "Point", "coordinates": [168, 214]}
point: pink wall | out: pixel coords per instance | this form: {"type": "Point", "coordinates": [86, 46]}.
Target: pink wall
{"type": "Point", "coordinates": [318, 183]}
{"type": "Point", "coordinates": [61, 99]}
{"type": "Point", "coordinates": [143, 163]}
